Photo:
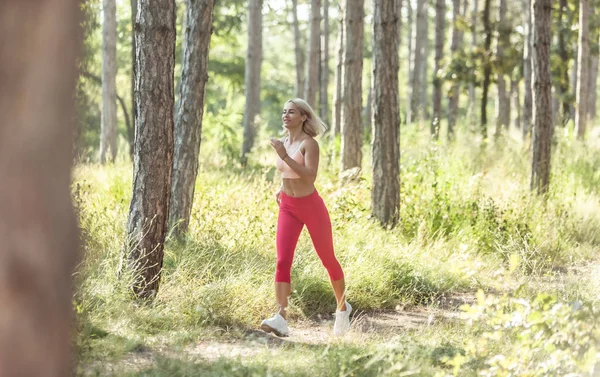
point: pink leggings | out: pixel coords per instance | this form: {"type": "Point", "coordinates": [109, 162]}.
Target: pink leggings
{"type": "Point", "coordinates": [294, 213]}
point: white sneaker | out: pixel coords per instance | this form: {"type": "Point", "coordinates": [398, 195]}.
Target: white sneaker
{"type": "Point", "coordinates": [342, 320]}
{"type": "Point", "coordinates": [276, 324]}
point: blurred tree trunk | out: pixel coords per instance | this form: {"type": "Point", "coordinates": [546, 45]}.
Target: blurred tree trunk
{"type": "Point", "coordinates": [419, 61]}
{"type": "Point", "coordinates": [542, 116]}
{"type": "Point", "coordinates": [563, 79]}
{"type": "Point", "coordinates": [438, 80]}
{"type": "Point", "coordinates": [323, 96]}
{"type": "Point", "coordinates": [299, 52]}
{"type": "Point", "coordinates": [487, 67]}
{"type": "Point", "coordinates": [516, 98]}
{"type": "Point", "coordinates": [314, 48]}
{"type": "Point", "coordinates": [352, 89]}
{"type": "Point", "coordinates": [471, 106]}
{"type": "Point", "coordinates": [385, 198]}
{"type": "Point", "coordinates": [527, 70]}
{"type": "Point", "coordinates": [411, 57]}
{"type": "Point", "coordinates": [582, 69]}
{"type": "Point", "coordinates": [130, 129]}
{"type": "Point", "coordinates": [188, 120]}
{"type": "Point", "coordinates": [339, 74]}
{"type": "Point", "coordinates": [573, 80]}
{"type": "Point", "coordinates": [153, 162]}
{"type": "Point", "coordinates": [424, 71]}
{"type": "Point", "coordinates": [108, 134]}
{"type": "Point", "coordinates": [454, 93]}
{"type": "Point", "coordinates": [40, 246]}
{"type": "Point", "coordinates": [592, 90]}
{"type": "Point", "coordinates": [252, 76]}
{"type": "Point", "coordinates": [502, 100]}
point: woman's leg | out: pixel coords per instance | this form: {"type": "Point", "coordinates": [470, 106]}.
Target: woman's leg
{"type": "Point", "coordinates": [288, 232]}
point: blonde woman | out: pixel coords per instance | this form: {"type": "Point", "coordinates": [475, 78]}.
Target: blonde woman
{"type": "Point", "coordinates": [300, 205]}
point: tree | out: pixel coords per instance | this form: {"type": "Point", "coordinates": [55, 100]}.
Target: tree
{"type": "Point", "coordinates": [454, 92]}
{"type": "Point", "coordinates": [339, 74]}
{"type": "Point", "coordinates": [503, 99]}
{"type": "Point", "coordinates": [542, 96]}
{"type": "Point", "coordinates": [385, 198]}
{"type": "Point", "coordinates": [593, 83]}
{"type": "Point", "coordinates": [131, 130]}
{"type": "Point", "coordinates": [474, 14]}
{"type": "Point", "coordinates": [487, 66]}
{"type": "Point", "coordinates": [419, 61]}
{"type": "Point", "coordinates": [108, 138]}
{"type": "Point", "coordinates": [153, 161]}
{"type": "Point", "coordinates": [352, 89]}
{"type": "Point", "coordinates": [324, 71]}
{"type": "Point", "coordinates": [314, 48]}
{"type": "Point", "coordinates": [527, 70]}
{"type": "Point", "coordinates": [188, 120]}
{"type": "Point", "coordinates": [583, 53]}
{"type": "Point", "coordinates": [298, 51]}
{"type": "Point", "coordinates": [565, 58]}
{"type": "Point", "coordinates": [41, 41]}
{"type": "Point", "coordinates": [252, 76]}
{"type": "Point", "coordinates": [440, 30]}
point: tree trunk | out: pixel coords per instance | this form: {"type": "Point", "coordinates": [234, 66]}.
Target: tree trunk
{"type": "Point", "coordinates": [314, 48]}
{"type": "Point", "coordinates": [563, 78]}
{"type": "Point", "coordinates": [487, 67]}
{"type": "Point", "coordinates": [131, 129]}
{"type": "Point", "coordinates": [385, 198]}
{"type": "Point", "coordinates": [515, 95]}
{"type": "Point", "coordinates": [299, 52]}
{"type": "Point", "coordinates": [420, 41]}
{"type": "Point", "coordinates": [527, 70]}
{"type": "Point", "coordinates": [454, 92]}
{"type": "Point", "coordinates": [108, 138]}
{"type": "Point", "coordinates": [188, 121]}
{"type": "Point", "coordinates": [411, 57]}
{"type": "Point", "coordinates": [424, 71]}
{"type": "Point", "coordinates": [323, 96]}
{"type": "Point", "coordinates": [339, 74]}
{"type": "Point", "coordinates": [252, 76]}
{"type": "Point", "coordinates": [502, 101]}
{"type": "Point", "coordinates": [593, 86]}
{"type": "Point", "coordinates": [583, 69]}
{"type": "Point", "coordinates": [542, 115]}
{"type": "Point", "coordinates": [352, 92]}
{"type": "Point", "coordinates": [440, 31]}
{"type": "Point", "coordinates": [152, 166]}
{"type": "Point", "coordinates": [40, 246]}
{"type": "Point", "coordinates": [471, 106]}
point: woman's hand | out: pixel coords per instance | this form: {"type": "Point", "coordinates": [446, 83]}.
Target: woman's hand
{"type": "Point", "coordinates": [277, 197]}
{"type": "Point", "coordinates": [279, 147]}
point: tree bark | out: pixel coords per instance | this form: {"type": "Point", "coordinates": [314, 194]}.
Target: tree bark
{"type": "Point", "coordinates": [440, 31]}
{"type": "Point", "coordinates": [299, 52]}
{"type": "Point", "coordinates": [188, 121]}
{"type": "Point", "coordinates": [527, 70]}
{"type": "Point", "coordinates": [323, 96]}
{"type": "Point", "coordinates": [593, 86]}
{"type": "Point", "coordinates": [41, 41]}
{"type": "Point", "coordinates": [583, 69]}
{"type": "Point", "coordinates": [542, 115]}
{"type": "Point", "coordinates": [565, 58]}
{"type": "Point", "coordinates": [108, 134]}
{"type": "Point", "coordinates": [385, 198]}
{"type": "Point", "coordinates": [339, 74]}
{"type": "Point", "coordinates": [454, 92]}
{"type": "Point", "coordinates": [131, 130]}
{"type": "Point", "coordinates": [471, 106]}
{"type": "Point", "coordinates": [502, 101]}
{"type": "Point", "coordinates": [411, 58]}
{"type": "Point", "coordinates": [352, 92]}
{"type": "Point", "coordinates": [314, 48]}
{"type": "Point", "coordinates": [252, 76]}
{"type": "Point", "coordinates": [152, 166]}
{"type": "Point", "coordinates": [420, 41]}
{"type": "Point", "coordinates": [516, 97]}
{"type": "Point", "coordinates": [487, 67]}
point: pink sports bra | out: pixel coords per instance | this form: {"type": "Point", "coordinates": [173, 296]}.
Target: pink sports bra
{"type": "Point", "coordinates": [284, 168]}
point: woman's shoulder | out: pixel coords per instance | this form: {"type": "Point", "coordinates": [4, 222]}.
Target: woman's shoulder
{"type": "Point", "coordinates": [310, 142]}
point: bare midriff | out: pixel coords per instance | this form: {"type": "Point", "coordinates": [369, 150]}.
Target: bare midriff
{"type": "Point", "coordinates": [297, 188]}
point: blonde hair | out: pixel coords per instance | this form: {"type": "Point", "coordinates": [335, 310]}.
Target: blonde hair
{"type": "Point", "coordinates": [313, 125]}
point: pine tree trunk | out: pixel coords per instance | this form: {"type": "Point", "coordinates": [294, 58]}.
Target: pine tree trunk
{"type": "Point", "coordinates": [592, 89]}
{"type": "Point", "coordinates": [108, 138]}
{"type": "Point", "coordinates": [583, 69]}
{"type": "Point", "coordinates": [252, 76]}
{"type": "Point", "coordinates": [440, 31]}
{"type": "Point", "coordinates": [424, 71]}
{"type": "Point", "coordinates": [542, 116]}
{"type": "Point", "coordinates": [487, 67]}
{"type": "Point", "coordinates": [299, 52]}
{"type": "Point", "coordinates": [323, 96]}
{"type": "Point", "coordinates": [314, 48]}
{"type": "Point", "coordinates": [502, 101]}
{"type": "Point", "coordinates": [454, 92]}
{"type": "Point", "coordinates": [527, 71]}
{"type": "Point", "coordinates": [563, 78]}
{"type": "Point", "coordinates": [188, 120]}
{"type": "Point", "coordinates": [420, 41]}
{"type": "Point", "coordinates": [149, 210]}
{"type": "Point", "coordinates": [385, 199]}
{"type": "Point", "coordinates": [474, 15]}
{"type": "Point", "coordinates": [352, 91]}
{"type": "Point", "coordinates": [516, 96]}
{"type": "Point", "coordinates": [411, 58]}
{"type": "Point", "coordinates": [39, 248]}
{"type": "Point", "coordinates": [339, 74]}
{"type": "Point", "coordinates": [131, 129]}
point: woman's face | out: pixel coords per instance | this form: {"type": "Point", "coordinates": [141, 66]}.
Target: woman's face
{"type": "Point", "coordinates": [291, 116]}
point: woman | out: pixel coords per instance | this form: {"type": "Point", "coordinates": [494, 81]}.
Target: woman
{"type": "Point", "coordinates": [299, 205]}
